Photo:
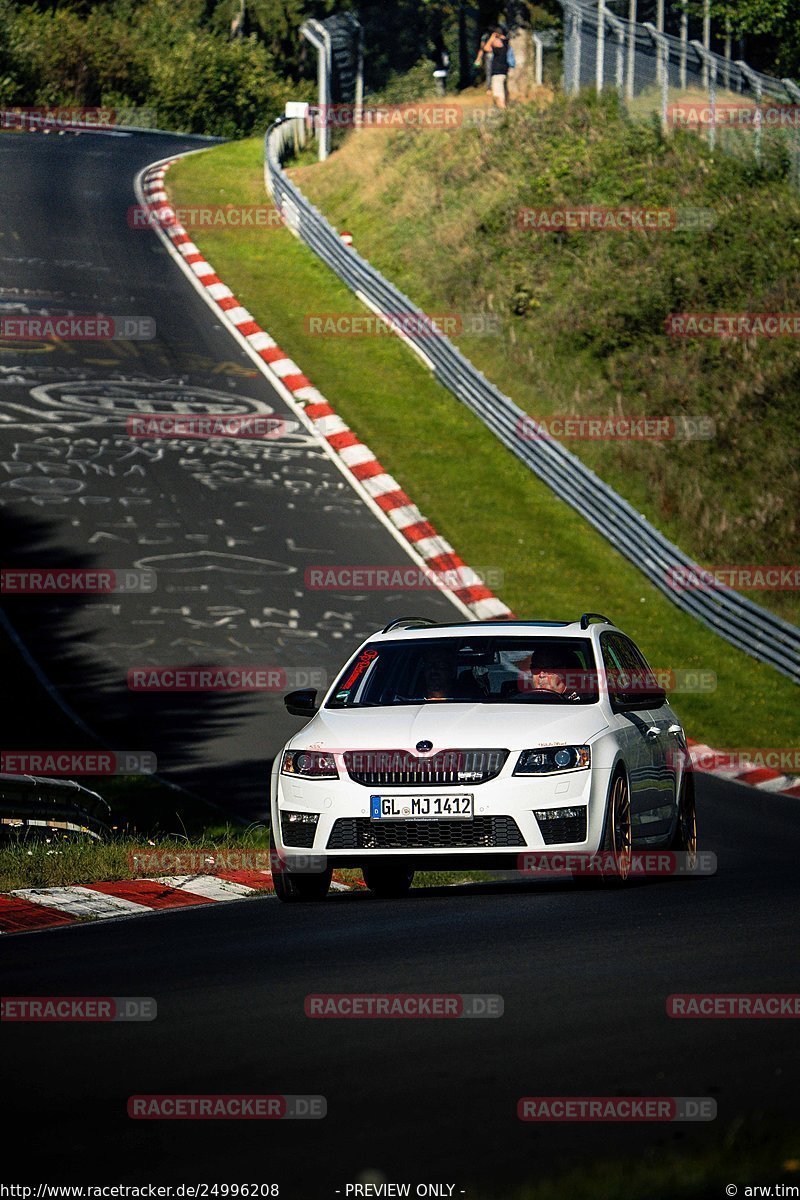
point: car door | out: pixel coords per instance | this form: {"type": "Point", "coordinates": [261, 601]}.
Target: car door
{"type": "Point", "coordinates": [662, 756]}
{"type": "Point", "coordinates": [632, 730]}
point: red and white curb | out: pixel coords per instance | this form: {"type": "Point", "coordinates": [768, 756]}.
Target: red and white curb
{"type": "Point", "coordinates": [28, 909]}
{"type": "Point", "coordinates": [718, 762]}
{"type": "Point", "coordinates": [358, 460]}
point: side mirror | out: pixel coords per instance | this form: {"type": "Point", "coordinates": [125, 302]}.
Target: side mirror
{"type": "Point", "coordinates": [302, 703]}
{"type": "Point", "coordinates": [632, 701]}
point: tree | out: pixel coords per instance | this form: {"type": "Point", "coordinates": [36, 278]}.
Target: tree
{"type": "Point", "coordinates": [747, 16]}
{"type": "Point", "coordinates": [771, 27]}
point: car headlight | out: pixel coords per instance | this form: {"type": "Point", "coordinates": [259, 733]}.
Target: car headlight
{"type": "Point", "coordinates": [309, 764]}
{"type": "Point", "coordinates": [548, 760]}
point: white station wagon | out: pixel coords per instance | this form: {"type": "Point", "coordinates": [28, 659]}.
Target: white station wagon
{"type": "Point", "coordinates": [478, 744]}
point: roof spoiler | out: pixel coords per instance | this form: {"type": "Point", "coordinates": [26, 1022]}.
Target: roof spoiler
{"type": "Point", "coordinates": [587, 619]}
{"type": "Point", "coordinates": [407, 623]}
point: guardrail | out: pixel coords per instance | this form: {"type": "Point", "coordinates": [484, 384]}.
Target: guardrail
{"type": "Point", "coordinates": [734, 617]}
{"type": "Point", "coordinates": [604, 50]}
{"type": "Point", "coordinates": [28, 802]}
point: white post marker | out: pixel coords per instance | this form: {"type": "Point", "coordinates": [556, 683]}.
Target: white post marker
{"type": "Point", "coordinates": [631, 49]}
{"type": "Point", "coordinates": [706, 39]}
{"type": "Point", "coordinates": [684, 46]}
{"type": "Point", "coordinates": [599, 66]}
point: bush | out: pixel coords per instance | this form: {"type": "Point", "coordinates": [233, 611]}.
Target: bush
{"type": "Point", "coordinates": [207, 85]}
{"type": "Point", "coordinates": [65, 58]}
{"type": "Point", "coordinates": [413, 85]}
{"type": "Point", "coordinates": [141, 53]}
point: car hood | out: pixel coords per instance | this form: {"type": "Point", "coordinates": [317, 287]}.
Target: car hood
{"type": "Point", "coordinates": [450, 727]}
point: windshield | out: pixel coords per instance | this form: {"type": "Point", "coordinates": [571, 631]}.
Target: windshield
{"type": "Point", "coordinates": [469, 670]}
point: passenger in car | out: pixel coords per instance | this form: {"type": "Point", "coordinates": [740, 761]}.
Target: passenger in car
{"type": "Point", "coordinates": [442, 681]}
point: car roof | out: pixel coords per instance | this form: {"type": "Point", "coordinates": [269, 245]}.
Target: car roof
{"type": "Point", "coordinates": [411, 629]}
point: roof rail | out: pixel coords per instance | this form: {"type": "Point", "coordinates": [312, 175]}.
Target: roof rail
{"type": "Point", "coordinates": [587, 619]}
{"type": "Point", "coordinates": [407, 623]}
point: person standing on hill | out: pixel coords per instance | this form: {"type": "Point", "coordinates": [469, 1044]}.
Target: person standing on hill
{"type": "Point", "coordinates": [498, 47]}
{"type": "Point", "coordinates": [485, 56]}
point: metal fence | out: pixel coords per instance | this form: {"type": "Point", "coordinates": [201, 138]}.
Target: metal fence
{"type": "Point", "coordinates": [736, 618]}
{"type": "Point", "coordinates": [738, 110]}
{"type": "Point", "coordinates": [29, 804]}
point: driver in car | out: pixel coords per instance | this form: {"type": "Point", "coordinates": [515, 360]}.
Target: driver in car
{"type": "Point", "coordinates": [546, 672]}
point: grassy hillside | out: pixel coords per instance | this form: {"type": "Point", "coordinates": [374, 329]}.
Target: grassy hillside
{"type": "Point", "coordinates": [478, 495]}
{"type": "Point", "coordinates": [583, 314]}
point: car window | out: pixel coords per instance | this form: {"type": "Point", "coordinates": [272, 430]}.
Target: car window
{"type": "Point", "coordinates": [466, 669]}
{"type": "Point", "coordinates": [633, 658]}
{"type": "Point", "coordinates": [626, 667]}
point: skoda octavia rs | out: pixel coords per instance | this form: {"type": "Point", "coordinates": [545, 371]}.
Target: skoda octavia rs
{"type": "Point", "coordinates": [444, 746]}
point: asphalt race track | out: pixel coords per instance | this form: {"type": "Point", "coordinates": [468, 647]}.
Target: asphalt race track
{"type": "Point", "coordinates": [229, 528]}
{"type": "Point", "coordinates": [584, 975]}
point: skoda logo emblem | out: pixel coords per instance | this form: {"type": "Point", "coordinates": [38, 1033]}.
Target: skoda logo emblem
{"type": "Point", "coordinates": [424, 747]}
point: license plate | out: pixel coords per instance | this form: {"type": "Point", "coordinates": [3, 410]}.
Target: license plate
{"type": "Point", "coordinates": [422, 808]}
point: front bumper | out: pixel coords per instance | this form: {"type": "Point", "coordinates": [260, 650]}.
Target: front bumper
{"type": "Point", "coordinates": [504, 828]}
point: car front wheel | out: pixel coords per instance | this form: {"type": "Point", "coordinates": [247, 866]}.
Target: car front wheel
{"type": "Point", "coordinates": [618, 842]}
{"type": "Point", "coordinates": [612, 863]}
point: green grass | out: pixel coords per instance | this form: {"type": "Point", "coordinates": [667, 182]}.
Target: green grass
{"type": "Point", "coordinates": [478, 495]}
{"type": "Point", "coordinates": [58, 861]}
{"type": "Point", "coordinates": [757, 1151]}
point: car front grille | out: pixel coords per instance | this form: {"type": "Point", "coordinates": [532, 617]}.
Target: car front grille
{"type": "Point", "coordinates": [559, 829]}
{"type": "Point", "coordinates": [359, 833]}
{"type": "Point", "coordinates": [445, 768]}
